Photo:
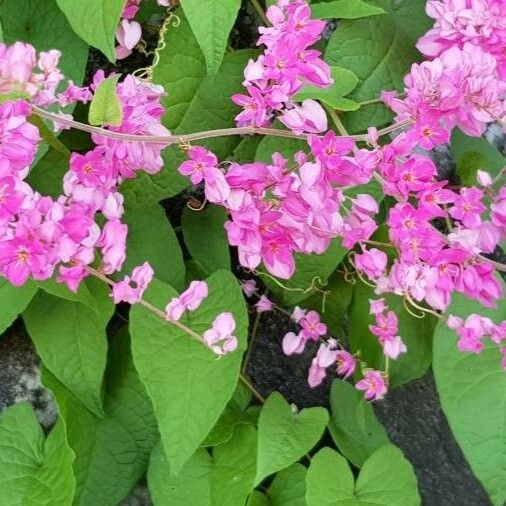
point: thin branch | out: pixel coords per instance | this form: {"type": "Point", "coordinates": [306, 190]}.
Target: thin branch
{"type": "Point", "coordinates": [254, 331]}
{"type": "Point", "coordinates": [251, 388]}
{"type": "Point", "coordinates": [184, 138]}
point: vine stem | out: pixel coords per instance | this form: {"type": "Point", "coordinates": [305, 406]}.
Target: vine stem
{"type": "Point", "coordinates": [150, 307]}
{"type": "Point", "coordinates": [252, 389]}
{"type": "Point", "coordinates": [179, 325]}
{"type": "Point", "coordinates": [251, 342]}
{"type": "Point", "coordinates": [169, 140]}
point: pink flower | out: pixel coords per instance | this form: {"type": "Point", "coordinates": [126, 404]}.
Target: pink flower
{"type": "Point", "coordinates": [293, 343]}
{"type": "Point", "coordinates": [373, 384]}
{"type": "Point", "coordinates": [249, 287]}
{"type": "Point", "coordinates": [201, 160]}
{"type": "Point", "coordinates": [189, 300]}
{"type": "Point", "coordinates": [498, 210]}
{"type": "Point", "coordinates": [377, 306]}
{"type": "Point", "coordinates": [128, 35]}
{"type": "Point", "coordinates": [219, 338]}
{"type": "Point", "coordinates": [20, 258]}
{"type": "Point", "coordinates": [264, 305]}
{"type": "Point", "coordinates": [311, 327]}
{"type": "Point", "coordinates": [132, 288]}
{"type": "Point", "coordinates": [468, 207]}
{"type": "Point", "coordinates": [372, 262]}
{"type": "Point", "coordinates": [113, 245]}
{"type": "Point", "coordinates": [298, 313]}
{"type": "Point", "coordinates": [387, 325]}
{"type": "Point", "coordinates": [484, 178]}
{"type": "Point", "coordinates": [325, 357]}
{"type": "Point", "coordinates": [309, 117]}
{"type": "Point", "coordinates": [393, 346]}
{"type": "Point", "coordinates": [345, 363]}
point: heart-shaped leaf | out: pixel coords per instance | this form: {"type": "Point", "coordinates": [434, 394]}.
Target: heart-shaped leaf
{"type": "Point", "coordinates": [284, 435]}
{"type": "Point", "coordinates": [188, 384]}
{"type": "Point", "coordinates": [387, 479]}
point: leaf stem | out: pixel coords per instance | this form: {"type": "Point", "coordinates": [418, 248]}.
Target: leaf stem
{"type": "Point", "coordinates": [252, 389]}
{"type": "Point", "coordinates": [337, 121]}
{"type": "Point", "coordinates": [254, 331]}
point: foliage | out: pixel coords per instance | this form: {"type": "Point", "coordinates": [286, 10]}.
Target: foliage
{"type": "Point", "coordinates": [148, 218]}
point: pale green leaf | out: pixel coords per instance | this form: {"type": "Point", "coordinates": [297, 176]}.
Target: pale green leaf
{"type": "Point", "coordinates": [353, 424]}
{"type": "Point", "coordinates": [13, 301]}
{"type": "Point", "coordinates": [387, 479]}
{"type": "Point", "coordinates": [70, 339]}
{"type": "Point", "coordinates": [472, 389]}
{"type": "Point", "coordinates": [95, 21]}
{"type": "Point", "coordinates": [183, 377]}
{"type": "Point", "coordinates": [284, 436]}
{"type": "Point", "coordinates": [105, 108]}
{"type": "Point", "coordinates": [256, 498]}
{"type": "Point", "coordinates": [211, 22]}
{"type": "Point", "coordinates": [345, 9]}
{"type": "Point", "coordinates": [33, 471]}
{"type": "Point", "coordinates": [112, 451]}
{"type": "Point", "coordinates": [205, 237]}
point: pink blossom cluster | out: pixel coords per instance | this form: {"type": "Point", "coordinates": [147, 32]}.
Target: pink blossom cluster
{"type": "Point", "coordinates": [473, 329]}
{"type": "Point", "coordinates": [129, 31]}
{"type": "Point", "coordinates": [386, 328]}
{"type": "Point", "coordinates": [287, 63]}
{"type": "Point", "coordinates": [481, 22]}
{"type": "Point", "coordinates": [36, 77]}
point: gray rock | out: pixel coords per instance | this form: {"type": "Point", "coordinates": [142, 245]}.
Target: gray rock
{"type": "Point", "coordinates": [20, 376]}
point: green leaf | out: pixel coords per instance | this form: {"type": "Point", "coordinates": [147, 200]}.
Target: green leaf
{"type": "Point", "coordinates": [61, 290]}
{"type": "Point", "coordinates": [112, 451]}
{"type": "Point", "coordinates": [246, 149]}
{"type": "Point", "coordinates": [473, 153]}
{"type": "Point", "coordinates": [95, 21]}
{"type": "Point", "coordinates": [47, 174]}
{"type": "Point", "coordinates": [345, 9]}
{"type": "Point", "coordinates": [33, 471]}
{"type": "Point", "coordinates": [387, 479]}
{"type": "Point", "coordinates": [182, 376]}
{"type": "Point", "coordinates": [192, 486]}
{"type": "Point", "coordinates": [345, 81]}
{"type": "Point", "coordinates": [472, 390]}
{"type": "Point", "coordinates": [105, 108]}
{"type": "Point", "coordinates": [13, 301]}
{"type": "Point", "coordinates": [287, 147]}
{"type": "Point", "coordinates": [353, 424]}
{"type": "Point", "coordinates": [379, 50]}
{"type": "Point", "coordinates": [256, 498]}
{"type": "Point", "coordinates": [333, 304]}
{"type": "Point", "coordinates": [151, 238]}
{"type": "Point", "coordinates": [194, 102]}
{"type": "Point", "coordinates": [289, 487]}
{"type": "Point", "coordinates": [416, 334]}
{"type": "Point", "coordinates": [205, 237]}
{"type": "Point", "coordinates": [72, 342]}
{"type": "Point", "coordinates": [49, 136]}
{"type": "Point", "coordinates": [211, 22]}
{"type": "Point", "coordinates": [284, 436]}
{"type": "Point", "coordinates": [234, 468]}
{"type": "Point", "coordinates": [42, 24]}
{"type": "Point", "coordinates": [311, 270]}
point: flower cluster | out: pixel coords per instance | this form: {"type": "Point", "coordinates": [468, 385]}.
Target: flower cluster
{"type": "Point", "coordinates": [274, 78]}
{"type": "Point", "coordinates": [386, 328]}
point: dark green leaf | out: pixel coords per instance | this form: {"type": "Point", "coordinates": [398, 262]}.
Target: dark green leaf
{"type": "Point", "coordinates": [345, 9]}
{"type": "Point", "coordinates": [13, 301]}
